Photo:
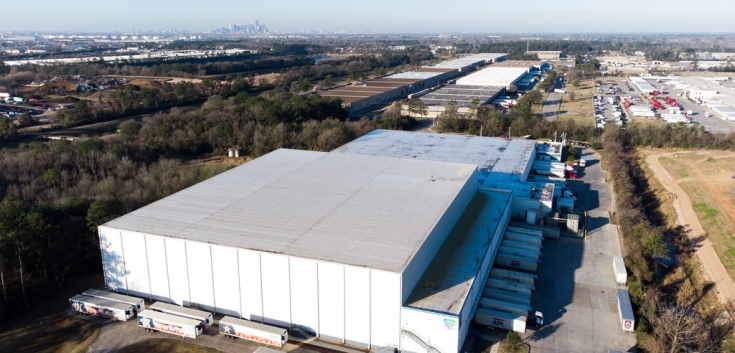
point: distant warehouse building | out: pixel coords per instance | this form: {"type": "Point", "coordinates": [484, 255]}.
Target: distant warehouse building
{"type": "Point", "coordinates": [378, 244]}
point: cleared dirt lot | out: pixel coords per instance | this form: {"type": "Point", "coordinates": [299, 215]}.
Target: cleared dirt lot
{"type": "Point", "coordinates": [703, 190]}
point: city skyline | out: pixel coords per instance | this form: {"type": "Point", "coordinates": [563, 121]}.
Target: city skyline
{"type": "Point", "coordinates": [379, 16]}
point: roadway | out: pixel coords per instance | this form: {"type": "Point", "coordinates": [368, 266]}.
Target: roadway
{"type": "Point", "coordinates": [550, 109]}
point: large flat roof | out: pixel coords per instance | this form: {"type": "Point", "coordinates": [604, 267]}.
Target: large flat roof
{"type": "Point", "coordinates": [445, 284]}
{"type": "Point", "coordinates": [463, 95]}
{"type": "Point", "coordinates": [495, 157]}
{"type": "Point", "coordinates": [344, 208]}
{"type": "Point", "coordinates": [494, 76]}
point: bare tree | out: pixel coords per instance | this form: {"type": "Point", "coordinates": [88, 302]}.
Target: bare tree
{"type": "Point", "coordinates": [682, 329]}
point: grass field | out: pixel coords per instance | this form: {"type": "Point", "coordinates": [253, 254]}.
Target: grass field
{"type": "Point", "coordinates": [580, 109]}
{"type": "Point", "coordinates": [58, 333]}
{"type": "Point", "coordinates": [166, 346]}
{"type": "Point", "coordinates": [706, 176]}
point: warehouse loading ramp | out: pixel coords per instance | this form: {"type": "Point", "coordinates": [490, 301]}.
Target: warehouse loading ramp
{"type": "Point", "coordinates": [513, 276]}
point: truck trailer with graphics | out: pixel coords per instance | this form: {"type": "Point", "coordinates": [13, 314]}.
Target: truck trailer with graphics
{"type": "Point", "coordinates": [137, 303]}
{"type": "Point", "coordinates": [237, 328]}
{"type": "Point", "coordinates": [86, 305]}
{"type": "Point", "coordinates": [500, 320]}
{"type": "Point", "coordinates": [153, 321]}
{"type": "Point", "coordinates": [517, 262]}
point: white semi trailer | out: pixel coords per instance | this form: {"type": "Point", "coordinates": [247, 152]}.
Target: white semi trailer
{"type": "Point", "coordinates": [137, 303]}
{"type": "Point", "coordinates": [505, 307]}
{"type": "Point", "coordinates": [237, 328]}
{"type": "Point", "coordinates": [526, 238]}
{"type": "Point", "coordinates": [536, 255]}
{"type": "Point", "coordinates": [517, 262]}
{"type": "Point", "coordinates": [86, 305]}
{"type": "Point", "coordinates": [492, 293]}
{"type": "Point", "coordinates": [508, 290]}
{"type": "Point", "coordinates": [621, 274]}
{"type": "Point", "coordinates": [513, 276]}
{"type": "Point", "coordinates": [521, 245]}
{"type": "Point", "coordinates": [522, 230]}
{"type": "Point", "coordinates": [625, 311]}
{"type": "Point", "coordinates": [500, 320]}
{"type": "Point", "coordinates": [153, 321]}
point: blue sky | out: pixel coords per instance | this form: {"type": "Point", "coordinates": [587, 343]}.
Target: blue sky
{"type": "Point", "coordinates": [505, 16]}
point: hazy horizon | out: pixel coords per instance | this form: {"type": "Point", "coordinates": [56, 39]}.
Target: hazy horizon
{"type": "Point", "coordinates": [379, 16]}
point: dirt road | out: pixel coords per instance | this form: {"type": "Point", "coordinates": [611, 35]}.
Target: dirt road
{"type": "Point", "coordinates": [688, 218]}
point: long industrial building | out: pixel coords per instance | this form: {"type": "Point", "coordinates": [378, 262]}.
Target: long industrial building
{"type": "Point", "coordinates": [386, 242]}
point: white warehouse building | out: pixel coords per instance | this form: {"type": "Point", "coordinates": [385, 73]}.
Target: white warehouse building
{"type": "Point", "coordinates": [368, 250]}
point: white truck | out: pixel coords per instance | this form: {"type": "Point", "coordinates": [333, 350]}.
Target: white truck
{"type": "Point", "coordinates": [582, 162]}
{"type": "Point", "coordinates": [621, 274]}
{"type": "Point", "coordinates": [202, 316]}
{"type": "Point", "coordinates": [505, 307]}
{"type": "Point", "coordinates": [137, 303]}
{"type": "Point", "coordinates": [625, 311]}
{"type": "Point", "coordinates": [153, 321]}
{"type": "Point", "coordinates": [85, 305]}
{"type": "Point", "coordinates": [237, 328]}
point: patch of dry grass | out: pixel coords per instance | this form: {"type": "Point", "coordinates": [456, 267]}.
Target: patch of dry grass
{"type": "Point", "coordinates": [166, 346]}
{"type": "Point", "coordinates": [58, 333]}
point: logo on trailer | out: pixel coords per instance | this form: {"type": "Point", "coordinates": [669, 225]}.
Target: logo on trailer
{"type": "Point", "coordinates": [449, 323]}
{"type": "Point", "coordinates": [627, 324]}
{"type": "Point", "coordinates": [498, 322]}
{"type": "Point", "coordinates": [515, 263]}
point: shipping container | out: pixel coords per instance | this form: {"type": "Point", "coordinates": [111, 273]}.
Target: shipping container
{"type": "Point", "coordinates": [237, 328]}
{"type": "Point", "coordinates": [157, 321]}
{"type": "Point", "coordinates": [621, 275]}
{"type": "Point", "coordinates": [137, 303]}
{"type": "Point", "coordinates": [516, 262]}
{"type": "Point", "coordinates": [202, 316]}
{"type": "Point", "coordinates": [513, 276]}
{"type": "Point", "coordinates": [86, 305]}
{"type": "Point", "coordinates": [625, 311]}
{"type": "Point", "coordinates": [500, 320]}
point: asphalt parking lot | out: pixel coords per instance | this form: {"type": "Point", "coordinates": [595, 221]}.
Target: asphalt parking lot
{"type": "Point", "coordinates": [576, 286]}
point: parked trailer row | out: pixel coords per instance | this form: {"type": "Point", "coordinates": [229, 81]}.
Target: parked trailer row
{"type": "Point", "coordinates": [516, 262]}
{"type": "Point", "coordinates": [531, 239]}
{"type": "Point", "coordinates": [625, 311]}
{"type": "Point", "coordinates": [87, 305]}
{"type": "Point", "coordinates": [621, 275]}
{"type": "Point", "coordinates": [137, 303]}
{"type": "Point", "coordinates": [513, 276]}
{"type": "Point", "coordinates": [237, 328]}
{"type": "Point", "coordinates": [521, 245]}
{"type": "Point", "coordinates": [492, 293]}
{"type": "Point", "coordinates": [500, 282]}
{"type": "Point", "coordinates": [153, 321]}
{"type": "Point", "coordinates": [520, 252]}
{"type": "Point", "coordinates": [500, 320]}
{"type": "Point", "coordinates": [202, 316]}
{"type": "Point", "coordinates": [505, 307]}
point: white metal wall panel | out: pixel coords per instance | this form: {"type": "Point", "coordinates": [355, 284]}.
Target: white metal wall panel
{"type": "Point", "coordinates": [304, 295]}
{"type": "Point", "coordinates": [136, 264]}
{"type": "Point", "coordinates": [113, 262]}
{"type": "Point", "coordinates": [331, 301]}
{"type": "Point", "coordinates": [276, 289]}
{"type": "Point", "coordinates": [357, 306]}
{"type": "Point", "coordinates": [440, 331]}
{"type": "Point", "coordinates": [226, 280]}
{"type": "Point", "coordinates": [250, 289]}
{"type": "Point", "coordinates": [157, 267]}
{"type": "Point", "coordinates": [178, 276]}
{"type": "Point", "coordinates": [385, 309]}
{"type": "Point", "coordinates": [199, 264]}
